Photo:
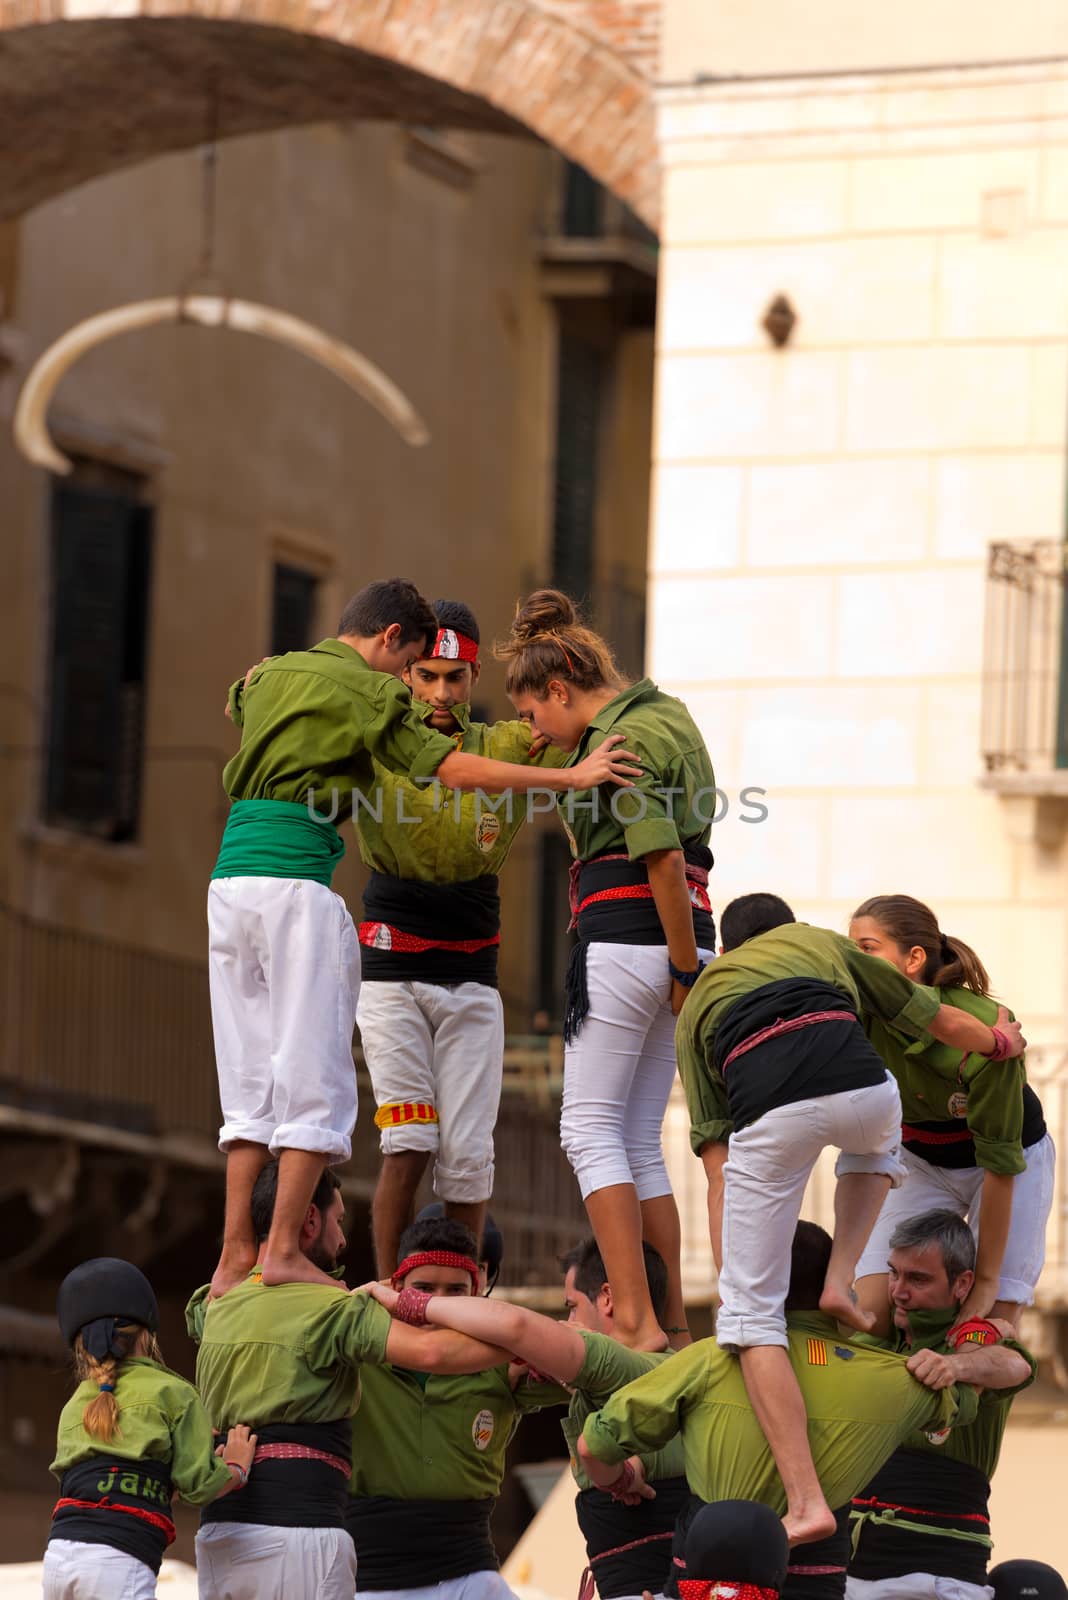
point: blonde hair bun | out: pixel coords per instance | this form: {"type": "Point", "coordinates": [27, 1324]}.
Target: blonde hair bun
{"type": "Point", "coordinates": [545, 611]}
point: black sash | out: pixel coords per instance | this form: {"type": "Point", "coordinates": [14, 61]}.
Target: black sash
{"type": "Point", "coordinates": [821, 1059]}
{"type": "Point", "coordinates": [287, 1493]}
{"type": "Point", "coordinates": [412, 1544]}
{"type": "Point", "coordinates": [469, 910]}
{"type": "Point", "coordinates": [124, 1504]}
{"type": "Point", "coordinates": [622, 920]}
{"type": "Point", "coordinates": [948, 1144]}
{"type": "Point", "coordinates": [934, 1493]}
{"type": "Point", "coordinates": [608, 1527]}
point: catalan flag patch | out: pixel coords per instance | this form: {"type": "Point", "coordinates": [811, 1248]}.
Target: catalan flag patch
{"type": "Point", "coordinates": [817, 1353]}
{"type": "Point", "coordinates": [397, 1113]}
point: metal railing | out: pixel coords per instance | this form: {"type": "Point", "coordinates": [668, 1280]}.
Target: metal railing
{"type": "Point", "coordinates": [96, 1032]}
{"type": "Point", "coordinates": [1025, 659]}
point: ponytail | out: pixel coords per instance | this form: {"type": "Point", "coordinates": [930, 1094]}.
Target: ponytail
{"type": "Point", "coordinates": [100, 1419]}
{"type": "Point", "coordinates": [548, 641]}
{"type": "Point", "coordinates": [950, 964]}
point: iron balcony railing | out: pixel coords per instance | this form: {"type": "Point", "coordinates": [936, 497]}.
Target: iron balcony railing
{"type": "Point", "coordinates": [96, 1032]}
{"type": "Point", "coordinates": [1025, 660]}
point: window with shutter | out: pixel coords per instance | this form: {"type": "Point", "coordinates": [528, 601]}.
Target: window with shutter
{"type": "Point", "coordinates": [582, 212]}
{"type": "Point", "coordinates": [101, 570]}
{"type": "Point", "coordinates": [293, 609]}
{"type": "Point", "coordinates": [580, 381]}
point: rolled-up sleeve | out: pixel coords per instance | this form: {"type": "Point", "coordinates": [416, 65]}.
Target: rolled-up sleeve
{"type": "Point", "coordinates": [396, 736]}
{"type": "Point", "coordinates": [887, 993]}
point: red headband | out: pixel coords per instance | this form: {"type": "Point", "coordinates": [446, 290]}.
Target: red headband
{"type": "Point", "coordinates": [436, 1258]}
{"type": "Point", "coordinates": [720, 1589]}
{"type": "Point", "coordinates": [452, 646]}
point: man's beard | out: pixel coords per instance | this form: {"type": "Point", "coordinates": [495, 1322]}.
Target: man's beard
{"type": "Point", "coordinates": [320, 1257]}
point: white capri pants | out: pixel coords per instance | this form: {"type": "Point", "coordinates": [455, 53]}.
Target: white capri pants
{"type": "Point", "coordinates": [916, 1586]}
{"type": "Point", "coordinates": [73, 1570]}
{"type": "Point", "coordinates": [284, 970]}
{"type": "Point", "coordinates": [258, 1561]}
{"type": "Point", "coordinates": [439, 1045]}
{"type": "Point", "coordinates": [926, 1187]}
{"type": "Point", "coordinates": [619, 1069]}
{"type": "Point", "coordinates": [475, 1586]}
{"type": "Point", "coordinates": [768, 1165]}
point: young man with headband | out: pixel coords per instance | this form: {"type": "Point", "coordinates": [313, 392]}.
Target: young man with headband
{"type": "Point", "coordinates": [628, 1546]}
{"type": "Point", "coordinates": [430, 1015]}
{"type": "Point", "coordinates": [283, 955]}
{"type": "Point", "coordinates": [428, 1453]}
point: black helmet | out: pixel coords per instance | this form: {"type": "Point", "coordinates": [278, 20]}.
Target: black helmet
{"type": "Point", "coordinates": [491, 1250]}
{"type": "Point", "coordinates": [1026, 1580]}
{"type": "Point", "coordinates": [103, 1292]}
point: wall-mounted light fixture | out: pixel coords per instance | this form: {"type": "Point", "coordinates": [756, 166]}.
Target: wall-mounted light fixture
{"type": "Point", "coordinates": [779, 321]}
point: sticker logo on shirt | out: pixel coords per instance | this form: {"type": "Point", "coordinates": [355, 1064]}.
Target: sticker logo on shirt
{"type": "Point", "coordinates": [488, 832]}
{"type": "Point", "coordinates": [938, 1435]}
{"type": "Point", "coordinates": [817, 1353]}
{"type": "Point", "coordinates": [843, 1354]}
{"type": "Point", "coordinates": [958, 1105]}
{"type": "Point", "coordinates": [482, 1429]}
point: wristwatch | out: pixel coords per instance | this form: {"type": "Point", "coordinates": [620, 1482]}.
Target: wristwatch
{"type": "Point", "coordinates": [687, 979]}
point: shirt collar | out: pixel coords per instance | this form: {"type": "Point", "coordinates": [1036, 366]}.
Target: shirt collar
{"type": "Point", "coordinates": [613, 709]}
{"type": "Point", "coordinates": [336, 647]}
{"type": "Point", "coordinates": [814, 1322]}
{"type": "Point", "coordinates": [461, 712]}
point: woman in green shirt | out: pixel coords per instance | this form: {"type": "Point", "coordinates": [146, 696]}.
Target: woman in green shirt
{"type": "Point", "coordinates": [973, 1135]}
{"type": "Point", "coordinates": [640, 907]}
{"type": "Point", "coordinates": [131, 1436]}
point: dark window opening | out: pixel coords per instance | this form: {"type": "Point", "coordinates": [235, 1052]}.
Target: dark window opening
{"type": "Point", "coordinates": [582, 212]}
{"type": "Point", "coordinates": [554, 940]}
{"type": "Point", "coordinates": [101, 551]}
{"type": "Point", "coordinates": [293, 609]}
{"type": "Point", "coordinates": [580, 382]}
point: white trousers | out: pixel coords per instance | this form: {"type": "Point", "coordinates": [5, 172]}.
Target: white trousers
{"type": "Point", "coordinates": [73, 1570]}
{"type": "Point", "coordinates": [475, 1586]}
{"type": "Point", "coordinates": [916, 1586]}
{"type": "Point", "coordinates": [619, 1070]}
{"type": "Point", "coordinates": [441, 1045]}
{"type": "Point", "coordinates": [255, 1561]}
{"type": "Point", "coordinates": [768, 1165]}
{"type": "Point", "coordinates": [926, 1187]}
{"type": "Point", "coordinates": [284, 970]}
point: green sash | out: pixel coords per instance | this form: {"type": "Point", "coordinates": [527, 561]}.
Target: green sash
{"type": "Point", "coordinates": [276, 839]}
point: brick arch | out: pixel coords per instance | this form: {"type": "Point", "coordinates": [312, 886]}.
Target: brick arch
{"type": "Point", "coordinates": [88, 86]}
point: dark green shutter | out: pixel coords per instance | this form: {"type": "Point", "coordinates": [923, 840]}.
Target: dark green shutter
{"type": "Point", "coordinates": [293, 610]}
{"type": "Point", "coordinates": [578, 426]}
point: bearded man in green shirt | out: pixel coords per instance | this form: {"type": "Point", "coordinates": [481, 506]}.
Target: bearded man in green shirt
{"type": "Point", "coordinates": [284, 963]}
{"type": "Point", "coordinates": [775, 1060]}
{"type": "Point", "coordinates": [291, 1356]}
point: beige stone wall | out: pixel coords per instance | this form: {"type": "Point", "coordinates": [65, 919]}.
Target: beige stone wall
{"type": "Point", "coordinates": [254, 453]}
{"type": "Point", "coordinates": [822, 513]}
{"type": "Point", "coordinates": [754, 37]}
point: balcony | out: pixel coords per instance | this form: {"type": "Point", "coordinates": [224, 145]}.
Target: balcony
{"type": "Point", "coordinates": [107, 1091]}
{"type": "Point", "coordinates": [1025, 684]}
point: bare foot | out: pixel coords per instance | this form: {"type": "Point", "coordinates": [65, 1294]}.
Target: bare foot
{"type": "Point", "coordinates": [840, 1302]}
{"type": "Point", "coordinates": [295, 1269]}
{"type": "Point", "coordinates": [809, 1524]}
{"type": "Point", "coordinates": [234, 1267]}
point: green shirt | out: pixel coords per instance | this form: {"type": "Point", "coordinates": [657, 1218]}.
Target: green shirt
{"type": "Point", "coordinates": [661, 733]}
{"type": "Point", "coordinates": [978, 1445]}
{"type": "Point", "coordinates": [936, 1084]}
{"type": "Point", "coordinates": [318, 720]}
{"type": "Point", "coordinates": [441, 835]}
{"type": "Point", "coordinates": [861, 1405]}
{"type": "Point", "coordinates": [286, 1353]}
{"type": "Point", "coordinates": [607, 1367]}
{"type": "Point", "coordinates": [796, 950]}
{"type": "Point", "coordinates": [419, 1437]}
{"type": "Point", "coordinates": [161, 1418]}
